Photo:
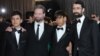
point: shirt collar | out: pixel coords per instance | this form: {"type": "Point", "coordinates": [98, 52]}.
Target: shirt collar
{"type": "Point", "coordinates": [17, 28]}
{"type": "Point", "coordinates": [40, 23]}
{"type": "Point", "coordinates": [82, 18]}
{"type": "Point", "coordinates": [63, 26]}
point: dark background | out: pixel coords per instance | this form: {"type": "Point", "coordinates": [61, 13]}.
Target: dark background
{"type": "Point", "coordinates": [92, 6]}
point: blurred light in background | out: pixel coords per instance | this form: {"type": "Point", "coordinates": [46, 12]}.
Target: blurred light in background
{"type": "Point", "coordinates": [3, 10]}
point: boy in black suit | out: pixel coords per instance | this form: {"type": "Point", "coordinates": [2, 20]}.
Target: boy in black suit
{"type": "Point", "coordinates": [62, 35]}
{"type": "Point", "coordinates": [15, 37]}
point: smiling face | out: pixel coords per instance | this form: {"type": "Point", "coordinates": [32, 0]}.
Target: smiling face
{"type": "Point", "coordinates": [60, 20]}
{"type": "Point", "coordinates": [16, 20]}
{"type": "Point", "coordinates": [78, 10]}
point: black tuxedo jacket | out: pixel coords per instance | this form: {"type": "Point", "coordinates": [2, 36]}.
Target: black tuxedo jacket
{"type": "Point", "coordinates": [10, 44]}
{"type": "Point", "coordinates": [59, 48]}
{"type": "Point", "coordinates": [3, 26]}
{"type": "Point", "coordinates": [39, 47]}
{"type": "Point", "coordinates": [98, 41]}
{"type": "Point", "coordinates": [88, 41]}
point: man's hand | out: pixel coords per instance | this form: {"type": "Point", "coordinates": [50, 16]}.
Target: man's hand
{"type": "Point", "coordinates": [69, 49]}
{"type": "Point", "coordinates": [9, 29]}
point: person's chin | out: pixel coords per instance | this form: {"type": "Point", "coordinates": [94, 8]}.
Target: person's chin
{"type": "Point", "coordinates": [77, 16]}
{"type": "Point", "coordinates": [38, 20]}
{"type": "Point", "coordinates": [16, 25]}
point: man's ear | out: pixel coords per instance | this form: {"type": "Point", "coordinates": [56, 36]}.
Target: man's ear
{"type": "Point", "coordinates": [65, 18]}
{"type": "Point", "coordinates": [83, 10]}
{"type": "Point", "coordinates": [44, 14]}
{"type": "Point", "coordinates": [21, 20]}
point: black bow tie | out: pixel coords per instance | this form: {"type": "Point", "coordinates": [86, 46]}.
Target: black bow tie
{"type": "Point", "coordinates": [59, 28]}
{"type": "Point", "coordinates": [19, 31]}
{"type": "Point", "coordinates": [79, 21]}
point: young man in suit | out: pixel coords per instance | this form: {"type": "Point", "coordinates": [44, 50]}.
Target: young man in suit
{"type": "Point", "coordinates": [39, 34]}
{"type": "Point", "coordinates": [62, 35]}
{"type": "Point", "coordinates": [15, 37]}
{"type": "Point", "coordinates": [85, 32]}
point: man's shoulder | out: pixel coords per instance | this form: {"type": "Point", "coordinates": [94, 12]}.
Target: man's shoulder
{"type": "Point", "coordinates": [89, 20]}
{"type": "Point", "coordinates": [47, 25]}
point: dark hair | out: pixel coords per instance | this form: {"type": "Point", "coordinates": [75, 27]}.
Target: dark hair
{"type": "Point", "coordinates": [81, 3]}
{"type": "Point", "coordinates": [28, 14]}
{"type": "Point", "coordinates": [39, 6]}
{"type": "Point", "coordinates": [16, 13]}
{"type": "Point", "coordinates": [62, 13]}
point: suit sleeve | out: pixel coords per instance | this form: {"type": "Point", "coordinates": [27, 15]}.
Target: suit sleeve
{"type": "Point", "coordinates": [96, 38]}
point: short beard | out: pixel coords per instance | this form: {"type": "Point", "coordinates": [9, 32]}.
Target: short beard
{"type": "Point", "coordinates": [77, 16]}
{"type": "Point", "coordinates": [38, 20]}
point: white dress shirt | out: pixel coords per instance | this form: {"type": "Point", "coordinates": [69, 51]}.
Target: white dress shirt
{"type": "Point", "coordinates": [41, 28]}
{"type": "Point", "coordinates": [79, 25]}
{"type": "Point", "coordinates": [17, 35]}
{"type": "Point", "coordinates": [60, 33]}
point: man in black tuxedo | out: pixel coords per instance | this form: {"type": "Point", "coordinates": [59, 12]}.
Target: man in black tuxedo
{"type": "Point", "coordinates": [62, 35]}
{"type": "Point", "coordinates": [85, 32]}
{"type": "Point", "coordinates": [15, 37]}
{"type": "Point", "coordinates": [39, 34]}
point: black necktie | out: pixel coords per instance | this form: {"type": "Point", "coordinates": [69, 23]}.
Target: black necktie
{"type": "Point", "coordinates": [59, 28]}
{"type": "Point", "coordinates": [37, 32]}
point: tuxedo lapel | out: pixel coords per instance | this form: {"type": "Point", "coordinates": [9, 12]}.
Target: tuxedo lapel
{"type": "Point", "coordinates": [44, 32]}
{"type": "Point", "coordinates": [75, 31]}
{"type": "Point", "coordinates": [65, 34]}
{"type": "Point", "coordinates": [55, 35]}
{"type": "Point", "coordinates": [84, 27]}
{"type": "Point", "coordinates": [21, 37]}
{"type": "Point", "coordinates": [14, 38]}
{"type": "Point", "coordinates": [32, 31]}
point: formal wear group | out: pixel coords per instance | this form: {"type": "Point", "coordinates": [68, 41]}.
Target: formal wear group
{"type": "Point", "coordinates": [41, 39]}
